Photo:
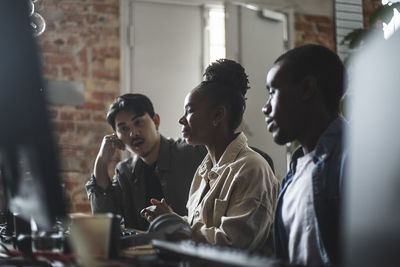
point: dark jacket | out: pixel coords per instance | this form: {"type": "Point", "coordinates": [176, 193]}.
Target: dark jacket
{"type": "Point", "coordinates": [175, 167]}
{"type": "Point", "coordinates": [327, 176]}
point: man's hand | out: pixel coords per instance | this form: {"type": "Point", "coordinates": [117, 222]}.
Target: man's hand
{"type": "Point", "coordinates": [108, 147]}
{"type": "Point", "coordinates": [158, 208]}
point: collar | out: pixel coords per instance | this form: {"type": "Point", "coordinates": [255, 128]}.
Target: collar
{"type": "Point", "coordinates": [230, 154]}
{"type": "Point", "coordinates": [328, 139]}
{"type": "Point", "coordinates": [325, 144]}
{"type": "Point", "coordinates": [164, 156]}
{"type": "Point", "coordinates": [163, 160]}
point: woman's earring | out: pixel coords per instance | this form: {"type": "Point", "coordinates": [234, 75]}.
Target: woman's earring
{"type": "Point", "coordinates": [215, 123]}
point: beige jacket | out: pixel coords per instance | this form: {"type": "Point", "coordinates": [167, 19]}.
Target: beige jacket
{"type": "Point", "coordinates": [238, 209]}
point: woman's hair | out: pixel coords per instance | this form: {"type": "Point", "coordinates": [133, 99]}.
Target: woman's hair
{"type": "Point", "coordinates": [226, 84]}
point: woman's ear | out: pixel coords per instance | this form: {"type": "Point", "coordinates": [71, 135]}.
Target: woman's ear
{"type": "Point", "coordinates": [219, 115]}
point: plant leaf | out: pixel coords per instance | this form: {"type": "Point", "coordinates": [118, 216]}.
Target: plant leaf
{"type": "Point", "coordinates": [383, 13]}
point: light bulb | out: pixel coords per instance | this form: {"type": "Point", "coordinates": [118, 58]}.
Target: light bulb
{"type": "Point", "coordinates": [38, 24]}
{"type": "Point", "coordinates": [31, 8]}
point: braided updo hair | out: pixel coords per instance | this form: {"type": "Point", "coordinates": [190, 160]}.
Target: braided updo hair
{"type": "Point", "coordinates": [226, 83]}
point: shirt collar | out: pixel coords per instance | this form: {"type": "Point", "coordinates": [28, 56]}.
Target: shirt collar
{"type": "Point", "coordinates": [164, 156]}
{"type": "Point", "coordinates": [325, 144]}
{"type": "Point", "coordinates": [163, 160]}
{"type": "Point", "coordinates": [230, 154]}
{"type": "Point", "coordinates": [329, 138]}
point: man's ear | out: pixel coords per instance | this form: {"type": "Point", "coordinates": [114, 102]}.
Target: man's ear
{"type": "Point", "coordinates": [308, 87]}
{"type": "Point", "coordinates": [156, 119]}
{"type": "Point", "coordinates": [219, 114]}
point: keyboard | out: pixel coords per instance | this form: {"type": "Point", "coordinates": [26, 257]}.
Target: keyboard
{"type": "Point", "coordinates": [214, 254]}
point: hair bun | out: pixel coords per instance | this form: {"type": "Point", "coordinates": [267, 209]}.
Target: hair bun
{"type": "Point", "coordinates": [228, 72]}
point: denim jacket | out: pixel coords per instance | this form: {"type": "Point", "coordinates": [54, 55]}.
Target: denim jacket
{"type": "Point", "coordinates": [327, 177]}
{"type": "Point", "coordinates": [176, 164]}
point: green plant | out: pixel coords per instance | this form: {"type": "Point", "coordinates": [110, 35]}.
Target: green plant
{"type": "Point", "coordinates": [384, 13]}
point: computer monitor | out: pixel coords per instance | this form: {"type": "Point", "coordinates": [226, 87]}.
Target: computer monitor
{"type": "Point", "coordinates": [28, 158]}
{"type": "Point", "coordinates": [371, 225]}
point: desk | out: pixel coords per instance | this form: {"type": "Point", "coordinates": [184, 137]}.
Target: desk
{"type": "Point", "coordinates": [137, 256]}
{"type": "Point", "coordinates": [160, 253]}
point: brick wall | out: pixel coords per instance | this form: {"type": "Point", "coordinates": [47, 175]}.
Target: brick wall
{"type": "Point", "coordinates": [315, 29]}
{"type": "Point", "coordinates": [81, 43]}
{"type": "Point", "coordinates": [368, 7]}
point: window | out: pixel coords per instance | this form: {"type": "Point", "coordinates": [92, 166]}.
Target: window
{"type": "Point", "coordinates": [215, 33]}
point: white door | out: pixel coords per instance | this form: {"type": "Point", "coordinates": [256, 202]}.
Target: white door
{"type": "Point", "coordinates": [256, 41]}
{"type": "Point", "coordinates": [166, 57]}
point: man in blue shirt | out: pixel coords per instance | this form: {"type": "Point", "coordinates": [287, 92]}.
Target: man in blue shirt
{"type": "Point", "coordinates": [305, 86]}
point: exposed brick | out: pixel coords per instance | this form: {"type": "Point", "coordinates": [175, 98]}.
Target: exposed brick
{"type": "Point", "coordinates": [75, 115]}
{"type": "Point", "coordinates": [112, 63]}
{"type": "Point", "coordinates": [103, 96]}
{"type": "Point", "coordinates": [69, 176]}
{"type": "Point", "coordinates": [304, 26]}
{"type": "Point", "coordinates": [59, 42]}
{"type": "Point", "coordinates": [106, 74]}
{"type": "Point", "coordinates": [106, 8]}
{"type": "Point", "coordinates": [73, 6]}
{"type": "Point", "coordinates": [50, 71]}
{"type": "Point", "coordinates": [92, 106]}
{"type": "Point", "coordinates": [98, 117]}
{"type": "Point", "coordinates": [49, 48]}
{"type": "Point", "coordinates": [98, 63]}
{"type": "Point", "coordinates": [106, 52]}
{"type": "Point", "coordinates": [53, 113]}
{"type": "Point", "coordinates": [318, 19]}
{"type": "Point", "coordinates": [314, 29]}
{"type": "Point", "coordinates": [111, 86]}
{"type": "Point", "coordinates": [83, 165]}
{"type": "Point", "coordinates": [78, 140]}
{"type": "Point", "coordinates": [70, 185]}
{"type": "Point", "coordinates": [91, 40]}
{"type": "Point", "coordinates": [72, 40]}
{"type": "Point", "coordinates": [58, 60]}
{"type": "Point", "coordinates": [92, 152]}
{"type": "Point", "coordinates": [63, 126]}
{"type": "Point", "coordinates": [49, 27]}
{"type": "Point", "coordinates": [90, 127]}
{"type": "Point", "coordinates": [68, 150]}
{"type": "Point", "coordinates": [327, 29]}
{"type": "Point", "coordinates": [103, 31]}
{"type": "Point", "coordinates": [66, 71]}
{"type": "Point", "coordinates": [79, 196]}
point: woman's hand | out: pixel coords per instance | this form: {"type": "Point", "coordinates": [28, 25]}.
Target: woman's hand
{"type": "Point", "coordinates": [158, 208]}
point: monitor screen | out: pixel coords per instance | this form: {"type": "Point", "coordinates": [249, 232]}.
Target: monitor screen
{"type": "Point", "coordinates": [28, 158]}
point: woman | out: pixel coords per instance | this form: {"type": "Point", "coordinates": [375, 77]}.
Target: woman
{"type": "Point", "coordinates": [233, 192]}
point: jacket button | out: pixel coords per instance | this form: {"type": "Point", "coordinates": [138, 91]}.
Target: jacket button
{"type": "Point", "coordinates": [197, 213]}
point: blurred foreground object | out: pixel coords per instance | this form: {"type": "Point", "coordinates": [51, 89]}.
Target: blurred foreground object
{"type": "Point", "coordinates": [372, 213]}
{"type": "Point", "coordinates": [28, 157]}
